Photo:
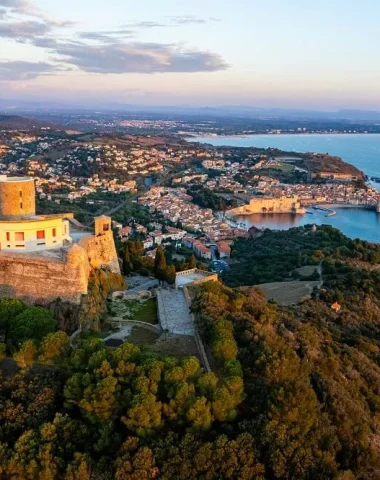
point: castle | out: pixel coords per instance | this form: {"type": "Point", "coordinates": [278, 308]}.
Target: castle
{"type": "Point", "coordinates": [39, 259]}
{"type": "Point", "coordinates": [270, 205]}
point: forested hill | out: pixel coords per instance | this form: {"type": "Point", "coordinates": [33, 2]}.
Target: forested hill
{"type": "Point", "coordinates": [15, 122]}
{"type": "Point", "coordinates": [274, 255]}
{"type": "Point", "coordinates": [311, 373]}
{"type": "Point", "coordinates": [294, 392]}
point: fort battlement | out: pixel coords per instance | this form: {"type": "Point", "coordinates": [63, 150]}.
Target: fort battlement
{"type": "Point", "coordinates": [38, 262]}
{"type": "Point", "coordinates": [269, 205]}
{"type": "Point", "coordinates": [64, 273]}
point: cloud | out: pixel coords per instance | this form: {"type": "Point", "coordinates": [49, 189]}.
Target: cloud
{"type": "Point", "coordinates": [103, 51]}
{"type": "Point", "coordinates": [187, 19]}
{"type": "Point", "coordinates": [19, 6]}
{"type": "Point", "coordinates": [25, 8]}
{"type": "Point", "coordinates": [174, 21]}
{"type": "Point", "coordinates": [138, 58]}
{"type": "Point", "coordinates": [108, 36]}
{"type": "Point", "coordinates": [146, 24]}
{"type": "Point", "coordinates": [23, 30]}
{"type": "Point", "coordinates": [19, 70]}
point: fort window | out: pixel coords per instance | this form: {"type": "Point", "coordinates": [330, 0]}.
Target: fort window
{"type": "Point", "coordinates": [19, 237]}
{"type": "Point", "coordinates": [21, 205]}
{"type": "Point", "coordinates": [8, 237]}
{"type": "Point", "coordinates": [20, 194]}
{"type": "Point", "coordinates": [106, 227]}
{"type": "Point", "coordinates": [54, 232]}
{"type": "Point", "coordinates": [40, 234]}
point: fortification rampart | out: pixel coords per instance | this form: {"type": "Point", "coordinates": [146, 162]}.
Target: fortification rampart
{"type": "Point", "coordinates": [206, 276]}
{"type": "Point", "coordinates": [42, 278]}
{"type": "Point", "coordinates": [101, 251]}
{"type": "Point", "coordinates": [269, 205]}
{"type": "Point", "coordinates": [39, 279]}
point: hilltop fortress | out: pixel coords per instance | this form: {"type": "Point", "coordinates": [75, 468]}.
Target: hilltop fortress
{"type": "Point", "coordinates": [269, 205]}
{"type": "Point", "coordinates": [39, 259]}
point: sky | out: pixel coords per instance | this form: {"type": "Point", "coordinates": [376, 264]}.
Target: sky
{"type": "Point", "coordinates": [264, 53]}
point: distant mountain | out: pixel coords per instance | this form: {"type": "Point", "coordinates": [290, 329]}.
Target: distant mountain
{"type": "Point", "coordinates": [15, 122]}
{"type": "Point", "coordinates": [100, 106]}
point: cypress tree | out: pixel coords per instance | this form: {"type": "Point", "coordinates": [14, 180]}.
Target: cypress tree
{"type": "Point", "coordinates": [160, 265]}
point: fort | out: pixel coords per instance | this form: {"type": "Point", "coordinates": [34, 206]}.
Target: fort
{"type": "Point", "coordinates": [39, 259]}
{"type": "Point", "coordinates": [269, 205]}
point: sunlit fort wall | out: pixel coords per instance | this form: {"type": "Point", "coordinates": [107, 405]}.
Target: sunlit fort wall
{"type": "Point", "coordinates": [38, 260]}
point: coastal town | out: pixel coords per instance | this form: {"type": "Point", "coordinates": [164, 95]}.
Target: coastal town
{"type": "Point", "coordinates": [193, 188]}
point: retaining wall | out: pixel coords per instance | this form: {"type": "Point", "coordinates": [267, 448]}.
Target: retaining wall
{"type": "Point", "coordinates": [198, 340]}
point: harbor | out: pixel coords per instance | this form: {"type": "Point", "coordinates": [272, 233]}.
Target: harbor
{"type": "Point", "coordinates": [329, 212]}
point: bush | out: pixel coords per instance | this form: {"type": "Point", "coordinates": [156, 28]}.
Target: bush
{"type": "Point", "coordinates": [9, 309]}
{"type": "Point", "coordinates": [32, 324]}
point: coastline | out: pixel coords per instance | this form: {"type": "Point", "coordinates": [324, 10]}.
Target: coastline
{"type": "Point", "coordinates": [295, 134]}
{"type": "Point", "coordinates": [346, 206]}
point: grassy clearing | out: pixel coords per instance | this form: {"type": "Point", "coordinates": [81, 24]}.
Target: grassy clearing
{"type": "Point", "coordinates": [287, 293]}
{"type": "Point", "coordinates": [147, 312]}
{"type": "Point", "coordinates": [141, 310]}
{"type": "Point", "coordinates": [142, 336]}
{"type": "Point", "coordinates": [176, 345]}
{"type": "Point", "coordinates": [284, 167]}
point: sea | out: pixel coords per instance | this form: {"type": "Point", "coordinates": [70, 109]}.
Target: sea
{"type": "Point", "coordinates": [361, 150]}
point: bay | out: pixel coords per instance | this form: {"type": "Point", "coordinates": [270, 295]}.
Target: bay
{"type": "Point", "coordinates": [360, 150]}
{"type": "Point", "coordinates": [363, 151]}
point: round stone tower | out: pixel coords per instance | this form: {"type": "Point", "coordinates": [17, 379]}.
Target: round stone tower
{"type": "Point", "coordinates": [17, 197]}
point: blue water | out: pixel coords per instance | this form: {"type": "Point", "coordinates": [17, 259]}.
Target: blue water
{"type": "Point", "coordinates": [353, 222]}
{"type": "Point", "coordinates": [363, 151]}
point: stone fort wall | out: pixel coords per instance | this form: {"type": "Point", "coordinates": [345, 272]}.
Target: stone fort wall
{"type": "Point", "coordinates": [39, 278]}
{"type": "Point", "coordinates": [101, 251]}
{"type": "Point", "coordinates": [272, 205]}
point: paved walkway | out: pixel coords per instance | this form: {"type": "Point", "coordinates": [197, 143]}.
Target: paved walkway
{"type": "Point", "coordinates": [173, 312]}
{"type": "Point", "coordinates": [144, 286]}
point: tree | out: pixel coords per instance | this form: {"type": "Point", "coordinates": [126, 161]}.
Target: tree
{"type": "Point", "coordinates": [26, 355]}
{"type": "Point", "coordinates": [32, 324]}
{"type": "Point", "coordinates": [199, 415]}
{"type": "Point", "coordinates": [99, 400]}
{"type": "Point", "coordinates": [170, 274]}
{"type": "Point", "coordinates": [79, 469]}
{"type": "Point", "coordinates": [53, 346]}
{"type": "Point", "coordinates": [160, 264]}
{"type": "Point", "coordinates": [192, 262]}
{"type": "Point", "coordinates": [144, 415]}
{"type": "Point", "coordinates": [2, 351]}
{"type": "Point", "coordinates": [9, 309]}
{"type": "Point", "coordinates": [127, 264]}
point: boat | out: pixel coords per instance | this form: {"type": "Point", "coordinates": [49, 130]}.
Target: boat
{"type": "Point", "coordinates": [331, 213]}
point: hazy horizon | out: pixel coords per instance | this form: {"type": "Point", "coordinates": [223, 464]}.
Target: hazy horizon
{"type": "Point", "coordinates": [302, 56]}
